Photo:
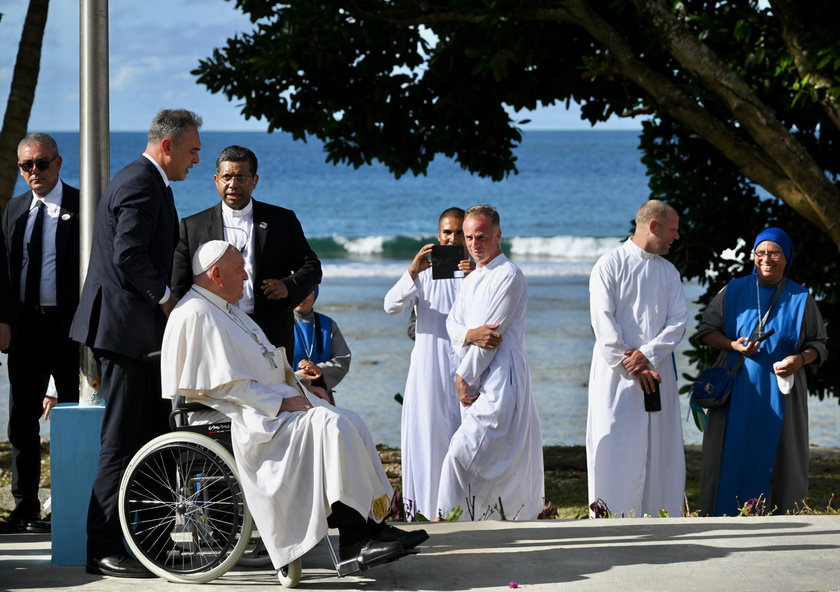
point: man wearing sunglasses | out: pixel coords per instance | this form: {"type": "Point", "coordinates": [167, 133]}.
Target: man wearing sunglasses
{"type": "Point", "coordinates": [41, 237]}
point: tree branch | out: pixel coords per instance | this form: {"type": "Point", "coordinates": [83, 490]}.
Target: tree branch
{"type": "Point", "coordinates": [806, 188]}
{"type": "Point", "coordinates": [792, 31]}
{"type": "Point", "coordinates": [783, 167]}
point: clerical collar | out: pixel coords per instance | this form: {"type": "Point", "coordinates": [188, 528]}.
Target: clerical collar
{"type": "Point", "coordinates": [245, 212]}
{"type": "Point", "coordinates": [631, 246]}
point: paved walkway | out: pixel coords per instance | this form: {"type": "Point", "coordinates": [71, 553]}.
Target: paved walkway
{"type": "Point", "coordinates": [784, 554]}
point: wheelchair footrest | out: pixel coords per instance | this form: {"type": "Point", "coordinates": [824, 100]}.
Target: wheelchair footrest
{"type": "Point", "coordinates": [351, 566]}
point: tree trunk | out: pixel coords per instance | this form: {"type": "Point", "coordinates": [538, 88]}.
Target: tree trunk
{"type": "Point", "coordinates": [22, 95]}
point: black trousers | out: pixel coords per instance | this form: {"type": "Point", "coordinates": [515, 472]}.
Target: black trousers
{"type": "Point", "coordinates": [40, 349]}
{"type": "Point", "coordinates": [134, 414]}
{"type": "Point", "coordinates": [351, 525]}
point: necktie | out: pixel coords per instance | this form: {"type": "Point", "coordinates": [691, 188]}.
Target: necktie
{"type": "Point", "coordinates": [32, 296]}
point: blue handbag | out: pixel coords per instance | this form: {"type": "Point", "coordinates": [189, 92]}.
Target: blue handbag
{"type": "Point", "coordinates": [713, 386]}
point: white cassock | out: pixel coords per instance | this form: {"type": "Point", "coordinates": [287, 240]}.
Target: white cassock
{"type": "Point", "coordinates": [496, 453]}
{"type": "Point", "coordinates": [431, 411]}
{"type": "Point", "coordinates": [635, 459]}
{"type": "Point", "coordinates": [292, 466]}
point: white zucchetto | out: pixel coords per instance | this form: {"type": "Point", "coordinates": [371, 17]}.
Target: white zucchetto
{"type": "Point", "coordinates": [207, 254]}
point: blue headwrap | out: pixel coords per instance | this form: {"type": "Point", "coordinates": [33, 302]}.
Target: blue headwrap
{"type": "Point", "coordinates": [315, 291]}
{"type": "Point", "coordinates": [781, 238]}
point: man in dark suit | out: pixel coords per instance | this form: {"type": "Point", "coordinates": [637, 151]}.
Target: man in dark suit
{"type": "Point", "coordinates": [282, 268]}
{"type": "Point", "coordinates": [121, 316]}
{"type": "Point", "coordinates": [41, 238]}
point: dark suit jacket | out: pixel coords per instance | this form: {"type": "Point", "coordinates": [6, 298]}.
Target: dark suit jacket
{"type": "Point", "coordinates": [66, 250]}
{"type": "Point", "coordinates": [280, 252]}
{"type": "Point", "coordinates": [134, 237]}
{"type": "Point", "coordinates": [6, 312]}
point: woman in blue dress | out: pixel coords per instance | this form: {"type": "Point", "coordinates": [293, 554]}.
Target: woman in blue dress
{"type": "Point", "coordinates": [755, 447]}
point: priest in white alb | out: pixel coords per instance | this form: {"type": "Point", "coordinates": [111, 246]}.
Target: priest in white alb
{"type": "Point", "coordinates": [431, 412]}
{"type": "Point", "coordinates": [494, 466]}
{"type": "Point", "coordinates": [635, 455]}
{"type": "Point", "coordinates": [303, 464]}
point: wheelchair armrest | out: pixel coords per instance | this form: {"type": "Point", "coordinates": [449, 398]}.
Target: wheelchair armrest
{"type": "Point", "coordinates": [182, 412]}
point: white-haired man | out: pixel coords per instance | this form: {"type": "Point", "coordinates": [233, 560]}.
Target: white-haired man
{"type": "Point", "coordinates": [214, 354]}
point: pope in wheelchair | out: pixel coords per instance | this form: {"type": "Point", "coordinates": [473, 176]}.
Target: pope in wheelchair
{"type": "Point", "coordinates": [303, 464]}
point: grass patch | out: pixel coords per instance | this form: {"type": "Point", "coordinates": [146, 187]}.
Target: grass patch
{"type": "Point", "coordinates": [565, 477]}
{"type": "Point", "coordinates": [566, 487]}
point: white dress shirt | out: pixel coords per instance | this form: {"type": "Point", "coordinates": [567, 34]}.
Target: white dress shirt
{"type": "Point", "coordinates": [52, 204]}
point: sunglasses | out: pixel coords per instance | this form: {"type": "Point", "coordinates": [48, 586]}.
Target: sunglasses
{"type": "Point", "coordinates": [42, 165]}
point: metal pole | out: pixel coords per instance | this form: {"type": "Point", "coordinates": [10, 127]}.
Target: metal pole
{"type": "Point", "coordinates": [94, 152]}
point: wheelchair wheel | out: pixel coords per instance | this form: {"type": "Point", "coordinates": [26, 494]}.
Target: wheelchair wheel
{"type": "Point", "coordinates": [289, 575]}
{"type": "Point", "coordinates": [255, 554]}
{"type": "Point", "coordinates": [182, 510]}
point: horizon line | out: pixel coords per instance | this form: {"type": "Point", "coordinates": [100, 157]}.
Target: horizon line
{"type": "Point", "coordinates": [203, 130]}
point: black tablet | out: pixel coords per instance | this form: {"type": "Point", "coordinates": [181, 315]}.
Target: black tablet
{"type": "Point", "coordinates": [445, 260]}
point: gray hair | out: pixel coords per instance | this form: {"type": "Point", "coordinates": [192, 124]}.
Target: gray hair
{"type": "Point", "coordinates": [38, 138]}
{"type": "Point", "coordinates": [172, 124]}
{"type": "Point", "coordinates": [487, 211]}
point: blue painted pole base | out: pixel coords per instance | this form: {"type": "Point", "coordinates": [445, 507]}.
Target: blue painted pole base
{"type": "Point", "coordinates": [74, 456]}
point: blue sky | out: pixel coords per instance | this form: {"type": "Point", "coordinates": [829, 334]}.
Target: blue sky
{"type": "Point", "coordinates": [153, 46]}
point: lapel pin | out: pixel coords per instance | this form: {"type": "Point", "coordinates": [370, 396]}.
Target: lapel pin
{"type": "Point", "coordinates": [65, 216]}
{"type": "Point", "coordinates": [263, 225]}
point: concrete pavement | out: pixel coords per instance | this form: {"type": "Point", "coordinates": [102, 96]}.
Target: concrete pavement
{"type": "Point", "coordinates": [785, 554]}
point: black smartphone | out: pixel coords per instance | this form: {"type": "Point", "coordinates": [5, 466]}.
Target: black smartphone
{"type": "Point", "coordinates": [760, 338]}
{"type": "Point", "coordinates": [653, 402]}
{"type": "Point", "coordinates": [445, 260]}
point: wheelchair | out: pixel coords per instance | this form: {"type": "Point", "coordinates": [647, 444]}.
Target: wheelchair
{"type": "Point", "coordinates": [183, 513]}
{"type": "Point", "coordinates": [182, 509]}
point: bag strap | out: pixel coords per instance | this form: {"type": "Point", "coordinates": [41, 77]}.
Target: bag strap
{"type": "Point", "coordinates": [761, 323]}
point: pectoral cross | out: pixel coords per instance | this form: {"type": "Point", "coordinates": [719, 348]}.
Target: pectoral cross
{"type": "Point", "coordinates": [268, 355]}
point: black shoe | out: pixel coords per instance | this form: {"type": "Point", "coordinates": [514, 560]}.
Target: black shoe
{"type": "Point", "coordinates": [407, 538]}
{"type": "Point", "coordinates": [367, 552]}
{"type": "Point", "coordinates": [40, 526]}
{"type": "Point", "coordinates": [119, 565]}
{"type": "Point", "coordinates": [17, 521]}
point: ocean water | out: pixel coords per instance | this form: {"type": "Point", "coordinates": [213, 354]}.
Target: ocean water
{"type": "Point", "coordinates": [573, 199]}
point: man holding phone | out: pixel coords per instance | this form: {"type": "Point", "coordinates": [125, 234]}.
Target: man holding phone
{"type": "Point", "coordinates": [430, 413]}
{"type": "Point", "coordinates": [634, 446]}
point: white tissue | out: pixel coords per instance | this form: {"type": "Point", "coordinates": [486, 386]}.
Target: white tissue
{"type": "Point", "coordinates": [785, 383]}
